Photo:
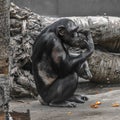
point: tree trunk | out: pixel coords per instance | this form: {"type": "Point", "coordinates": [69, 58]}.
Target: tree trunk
{"type": "Point", "coordinates": [105, 30]}
{"type": "Point", "coordinates": [4, 35]}
{"type": "Point", "coordinates": [105, 67]}
{"type": "Point", "coordinates": [4, 44]}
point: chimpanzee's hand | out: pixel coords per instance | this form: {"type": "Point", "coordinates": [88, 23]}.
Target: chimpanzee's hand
{"type": "Point", "coordinates": [84, 44]}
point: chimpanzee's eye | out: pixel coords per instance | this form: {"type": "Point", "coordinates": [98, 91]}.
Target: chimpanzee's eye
{"type": "Point", "coordinates": [74, 34]}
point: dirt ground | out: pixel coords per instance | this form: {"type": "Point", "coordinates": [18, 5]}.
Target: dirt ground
{"type": "Point", "coordinates": [106, 94]}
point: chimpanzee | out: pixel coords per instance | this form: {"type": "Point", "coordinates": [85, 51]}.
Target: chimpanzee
{"type": "Point", "coordinates": [54, 69]}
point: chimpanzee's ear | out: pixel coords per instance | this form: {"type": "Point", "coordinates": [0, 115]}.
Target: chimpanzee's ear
{"type": "Point", "coordinates": [61, 30]}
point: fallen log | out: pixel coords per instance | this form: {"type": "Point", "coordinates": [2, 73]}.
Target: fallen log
{"type": "Point", "coordinates": [25, 27]}
{"type": "Point", "coordinates": [105, 31]}
{"type": "Point", "coordinates": [105, 67]}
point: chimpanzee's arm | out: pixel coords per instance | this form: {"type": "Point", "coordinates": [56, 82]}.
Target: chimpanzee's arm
{"type": "Point", "coordinates": [64, 61]}
{"type": "Point", "coordinates": [89, 50]}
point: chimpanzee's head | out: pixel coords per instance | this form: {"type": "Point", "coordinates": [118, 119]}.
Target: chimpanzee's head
{"type": "Point", "coordinates": [69, 33]}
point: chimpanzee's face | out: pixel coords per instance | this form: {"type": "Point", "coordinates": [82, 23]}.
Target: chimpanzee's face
{"type": "Point", "coordinates": [72, 36]}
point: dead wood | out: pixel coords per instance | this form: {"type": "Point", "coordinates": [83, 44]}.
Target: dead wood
{"type": "Point", "coordinates": [105, 67]}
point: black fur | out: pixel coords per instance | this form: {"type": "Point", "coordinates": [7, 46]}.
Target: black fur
{"type": "Point", "coordinates": [54, 69]}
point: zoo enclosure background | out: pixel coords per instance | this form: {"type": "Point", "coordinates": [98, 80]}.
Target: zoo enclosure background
{"type": "Point", "coordinates": [72, 7]}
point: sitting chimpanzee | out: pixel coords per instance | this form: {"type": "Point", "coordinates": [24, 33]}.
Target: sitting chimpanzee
{"type": "Point", "coordinates": [54, 69]}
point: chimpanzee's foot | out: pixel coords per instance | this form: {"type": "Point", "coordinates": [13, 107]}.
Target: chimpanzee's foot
{"type": "Point", "coordinates": [78, 99]}
{"type": "Point", "coordinates": [85, 98]}
{"type": "Point", "coordinates": [64, 104]}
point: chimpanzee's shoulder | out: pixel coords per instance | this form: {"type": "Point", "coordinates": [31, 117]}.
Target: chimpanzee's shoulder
{"type": "Point", "coordinates": [51, 36]}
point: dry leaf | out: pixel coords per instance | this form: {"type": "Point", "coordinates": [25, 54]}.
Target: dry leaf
{"type": "Point", "coordinates": [110, 89]}
{"type": "Point", "coordinates": [98, 103]}
{"type": "Point", "coordinates": [94, 106]}
{"type": "Point", "coordinates": [97, 92]}
{"type": "Point", "coordinates": [115, 105]}
{"type": "Point", "coordinates": [69, 113]}
{"type": "Point", "coordinates": [21, 101]}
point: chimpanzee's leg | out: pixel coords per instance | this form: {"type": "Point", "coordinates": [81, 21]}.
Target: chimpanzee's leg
{"type": "Point", "coordinates": [61, 90]}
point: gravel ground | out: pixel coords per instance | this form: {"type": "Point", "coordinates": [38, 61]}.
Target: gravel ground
{"type": "Point", "coordinates": [106, 94]}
